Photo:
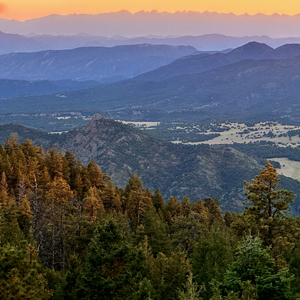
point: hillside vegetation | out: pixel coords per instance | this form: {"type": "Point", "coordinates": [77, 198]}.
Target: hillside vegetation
{"type": "Point", "coordinates": [177, 170]}
{"type": "Point", "coordinates": [68, 233]}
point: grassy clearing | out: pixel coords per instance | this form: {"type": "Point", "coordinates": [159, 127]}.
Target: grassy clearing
{"type": "Point", "coordinates": [288, 168]}
{"type": "Point", "coordinates": [264, 131]}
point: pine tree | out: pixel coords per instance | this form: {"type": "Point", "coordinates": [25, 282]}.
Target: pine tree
{"type": "Point", "coordinates": [212, 255]}
{"type": "Point", "coordinates": [157, 232]}
{"type": "Point", "coordinates": [191, 290]}
{"type": "Point", "coordinates": [255, 265]}
{"type": "Point", "coordinates": [93, 205]}
{"type": "Point", "coordinates": [95, 175]}
{"type": "Point", "coordinates": [267, 216]}
{"type": "Point", "coordinates": [20, 276]}
{"type": "Point", "coordinates": [113, 267]}
{"type": "Point", "coordinates": [167, 274]}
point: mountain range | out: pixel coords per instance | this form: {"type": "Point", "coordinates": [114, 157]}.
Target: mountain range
{"type": "Point", "coordinates": [232, 86]}
{"type": "Point", "coordinates": [143, 23]}
{"type": "Point", "coordinates": [89, 63]}
{"type": "Point", "coordinates": [207, 42]}
{"type": "Point", "coordinates": [10, 88]}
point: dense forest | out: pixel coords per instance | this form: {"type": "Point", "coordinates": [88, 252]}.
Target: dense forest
{"type": "Point", "coordinates": [66, 232]}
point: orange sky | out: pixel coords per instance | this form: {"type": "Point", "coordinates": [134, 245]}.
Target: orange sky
{"type": "Point", "coordinates": [27, 9]}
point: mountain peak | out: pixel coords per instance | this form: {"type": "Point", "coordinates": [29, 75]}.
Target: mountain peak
{"type": "Point", "coordinates": [252, 50]}
{"type": "Point", "coordinates": [97, 117]}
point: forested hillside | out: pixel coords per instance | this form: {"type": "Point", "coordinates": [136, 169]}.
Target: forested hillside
{"type": "Point", "coordinates": [67, 232]}
{"type": "Point", "coordinates": [196, 171]}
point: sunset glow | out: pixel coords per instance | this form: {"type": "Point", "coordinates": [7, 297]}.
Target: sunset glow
{"type": "Point", "coordinates": [28, 9]}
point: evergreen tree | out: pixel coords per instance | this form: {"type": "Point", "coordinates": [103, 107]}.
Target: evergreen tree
{"type": "Point", "coordinates": [72, 287]}
{"type": "Point", "coordinates": [253, 263]}
{"type": "Point", "coordinates": [213, 253]}
{"type": "Point", "coordinates": [20, 273]}
{"type": "Point", "coordinates": [267, 216]}
{"type": "Point", "coordinates": [167, 274]}
{"type": "Point", "coordinates": [191, 292]}
{"type": "Point", "coordinates": [157, 232]}
{"type": "Point", "coordinates": [113, 267]}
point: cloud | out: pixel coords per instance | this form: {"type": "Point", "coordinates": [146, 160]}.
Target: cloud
{"type": "Point", "coordinates": [2, 7]}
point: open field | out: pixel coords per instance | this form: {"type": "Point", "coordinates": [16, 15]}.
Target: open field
{"type": "Point", "coordinates": [288, 168]}
{"type": "Point", "coordinates": [141, 125]}
{"type": "Point", "coordinates": [229, 133]}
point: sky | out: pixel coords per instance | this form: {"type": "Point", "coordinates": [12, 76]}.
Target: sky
{"type": "Point", "coordinates": [28, 9]}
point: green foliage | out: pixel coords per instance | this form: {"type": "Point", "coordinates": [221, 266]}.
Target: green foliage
{"type": "Point", "coordinates": [253, 263]}
{"type": "Point", "coordinates": [20, 273]}
{"type": "Point", "coordinates": [102, 242]}
{"type": "Point", "coordinates": [156, 232]}
{"type": "Point", "coordinates": [167, 274]}
{"type": "Point", "coordinates": [72, 287]}
{"type": "Point", "coordinates": [213, 253]}
{"type": "Point", "coordinates": [266, 217]}
{"type": "Point", "coordinates": [191, 292]}
{"type": "Point", "coordinates": [113, 267]}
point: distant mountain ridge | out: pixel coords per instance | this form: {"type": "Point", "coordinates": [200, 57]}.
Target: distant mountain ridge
{"type": "Point", "coordinates": [89, 63]}
{"type": "Point", "coordinates": [143, 23]}
{"type": "Point", "coordinates": [12, 88]}
{"type": "Point", "coordinates": [246, 90]}
{"type": "Point", "coordinates": [207, 42]}
{"type": "Point", "coordinates": [203, 62]}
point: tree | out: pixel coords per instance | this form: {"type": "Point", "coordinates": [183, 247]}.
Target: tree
{"type": "Point", "coordinates": [158, 202]}
{"type": "Point", "coordinates": [93, 205]}
{"type": "Point", "coordinates": [186, 230]}
{"type": "Point", "coordinates": [267, 216]}
{"type": "Point", "coordinates": [55, 210]}
{"type": "Point", "coordinates": [213, 253]}
{"type": "Point", "coordinates": [20, 276]}
{"type": "Point", "coordinates": [156, 232]}
{"type": "Point", "coordinates": [254, 264]}
{"type": "Point", "coordinates": [113, 267]}
{"type": "Point", "coordinates": [72, 287]}
{"type": "Point", "coordinates": [167, 274]}
{"type": "Point", "coordinates": [192, 291]}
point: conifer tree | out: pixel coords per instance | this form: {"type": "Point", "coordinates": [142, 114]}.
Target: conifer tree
{"type": "Point", "coordinates": [212, 255]}
{"type": "Point", "coordinates": [95, 175]}
{"type": "Point", "coordinates": [93, 205]}
{"type": "Point", "coordinates": [24, 215]}
{"type": "Point", "coordinates": [173, 209]}
{"type": "Point", "coordinates": [113, 268]}
{"type": "Point", "coordinates": [191, 290]}
{"type": "Point", "coordinates": [254, 264]}
{"type": "Point", "coordinates": [20, 274]}
{"type": "Point", "coordinates": [157, 232]}
{"type": "Point", "coordinates": [161, 274]}
{"type": "Point", "coordinates": [267, 216]}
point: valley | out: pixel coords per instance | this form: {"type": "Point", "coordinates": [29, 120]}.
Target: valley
{"type": "Point", "coordinates": [149, 154]}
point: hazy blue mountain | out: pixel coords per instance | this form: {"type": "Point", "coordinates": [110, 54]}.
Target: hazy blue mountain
{"type": "Point", "coordinates": [204, 62]}
{"type": "Point", "coordinates": [246, 90]}
{"type": "Point", "coordinates": [205, 43]}
{"type": "Point", "coordinates": [11, 88]}
{"type": "Point", "coordinates": [286, 51]}
{"type": "Point", "coordinates": [253, 90]}
{"type": "Point", "coordinates": [143, 23]}
{"type": "Point", "coordinates": [17, 43]}
{"type": "Point", "coordinates": [89, 63]}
